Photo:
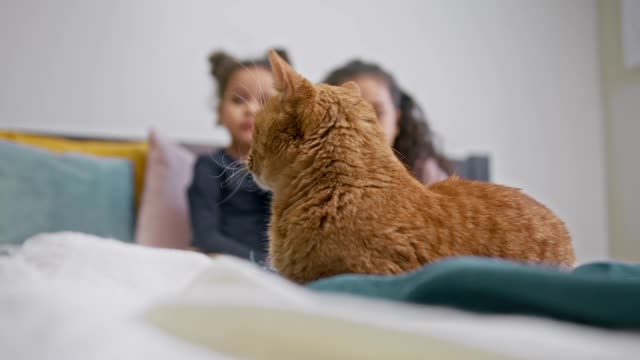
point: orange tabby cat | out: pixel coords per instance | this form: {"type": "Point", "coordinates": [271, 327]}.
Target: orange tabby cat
{"type": "Point", "coordinates": [343, 202]}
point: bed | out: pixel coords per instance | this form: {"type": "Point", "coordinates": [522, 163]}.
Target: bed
{"type": "Point", "coordinates": [76, 296]}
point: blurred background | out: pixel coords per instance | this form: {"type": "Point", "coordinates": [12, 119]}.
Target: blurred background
{"type": "Point", "coordinates": [548, 89]}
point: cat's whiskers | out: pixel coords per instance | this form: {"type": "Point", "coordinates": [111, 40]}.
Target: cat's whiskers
{"type": "Point", "coordinates": [236, 189]}
{"type": "Point", "coordinates": [237, 172]}
{"type": "Point", "coordinates": [232, 169]}
{"type": "Point", "coordinates": [234, 165]}
{"type": "Point", "coordinates": [254, 74]}
{"type": "Point", "coordinates": [262, 96]}
{"type": "Point", "coordinates": [252, 96]}
{"type": "Point", "coordinates": [247, 103]}
{"type": "Point", "coordinates": [238, 167]}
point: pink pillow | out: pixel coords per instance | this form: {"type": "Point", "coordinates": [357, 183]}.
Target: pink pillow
{"type": "Point", "coordinates": [163, 218]}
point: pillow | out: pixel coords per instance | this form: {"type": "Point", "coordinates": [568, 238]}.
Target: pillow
{"type": "Point", "coordinates": [163, 218]}
{"type": "Point", "coordinates": [136, 152]}
{"type": "Point", "coordinates": [41, 191]}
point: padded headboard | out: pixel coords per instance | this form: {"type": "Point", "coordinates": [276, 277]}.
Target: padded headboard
{"type": "Point", "coordinates": [473, 167]}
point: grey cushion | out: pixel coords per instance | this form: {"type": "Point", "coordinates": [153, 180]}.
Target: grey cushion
{"type": "Point", "coordinates": [474, 167]}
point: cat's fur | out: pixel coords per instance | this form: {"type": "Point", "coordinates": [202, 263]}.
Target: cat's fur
{"type": "Point", "coordinates": [343, 202]}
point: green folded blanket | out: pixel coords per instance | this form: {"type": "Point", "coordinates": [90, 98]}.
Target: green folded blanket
{"type": "Point", "coordinates": [602, 294]}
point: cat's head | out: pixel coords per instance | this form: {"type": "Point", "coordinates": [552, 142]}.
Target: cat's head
{"type": "Point", "coordinates": [304, 122]}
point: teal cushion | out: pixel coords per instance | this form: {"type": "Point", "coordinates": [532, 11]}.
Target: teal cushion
{"type": "Point", "coordinates": [603, 294]}
{"type": "Point", "coordinates": [42, 191]}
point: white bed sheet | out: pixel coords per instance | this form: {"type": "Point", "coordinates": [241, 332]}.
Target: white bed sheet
{"type": "Point", "coordinates": [74, 296]}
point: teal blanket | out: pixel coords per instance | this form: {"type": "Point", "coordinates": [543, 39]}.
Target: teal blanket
{"type": "Point", "coordinates": [603, 294]}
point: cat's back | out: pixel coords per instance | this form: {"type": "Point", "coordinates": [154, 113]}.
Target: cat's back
{"type": "Point", "coordinates": [487, 195]}
{"type": "Point", "coordinates": [496, 220]}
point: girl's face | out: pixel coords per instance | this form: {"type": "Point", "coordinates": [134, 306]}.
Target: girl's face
{"type": "Point", "coordinates": [376, 92]}
{"type": "Point", "coordinates": [244, 96]}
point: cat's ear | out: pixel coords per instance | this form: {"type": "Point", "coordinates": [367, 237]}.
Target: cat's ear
{"type": "Point", "coordinates": [352, 87]}
{"type": "Point", "coordinates": [286, 80]}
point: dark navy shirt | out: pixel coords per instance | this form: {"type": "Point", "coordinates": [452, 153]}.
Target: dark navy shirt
{"type": "Point", "coordinates": [229, 212]}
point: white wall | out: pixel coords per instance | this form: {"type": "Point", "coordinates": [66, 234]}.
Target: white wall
{"type": "Point", "coordinates": [516, 79]}
{"type": "Point", "coordinates": [621, 91]}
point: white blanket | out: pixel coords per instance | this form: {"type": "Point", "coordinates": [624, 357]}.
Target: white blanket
{"type": "Point", "coordinates": [74, 296]}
